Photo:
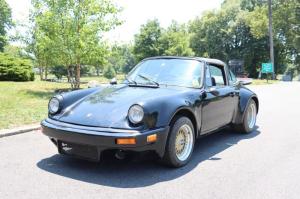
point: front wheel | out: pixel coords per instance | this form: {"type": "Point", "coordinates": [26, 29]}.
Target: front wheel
{"type": "Point", "coordinates": [180, 143]}
{"type": "Point", "coordinates": [249, 119]}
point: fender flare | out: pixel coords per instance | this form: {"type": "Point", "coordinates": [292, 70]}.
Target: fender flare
{"type": "Point", "coordinates": [244, 100]}
{"type": "Point", "coordinates": [188, 112]}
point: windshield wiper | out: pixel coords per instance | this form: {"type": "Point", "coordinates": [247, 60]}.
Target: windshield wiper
{"type": "Point", "coordinates": [130, 81]}
{"type": "Point", "coordinates": [148, 79]}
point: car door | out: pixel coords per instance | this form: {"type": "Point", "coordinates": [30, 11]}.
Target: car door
{"type": "Point", "coordinates": [218, 104]}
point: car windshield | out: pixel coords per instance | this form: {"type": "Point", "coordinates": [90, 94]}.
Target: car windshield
{"type": "Point", "coordinates": [175, 72]}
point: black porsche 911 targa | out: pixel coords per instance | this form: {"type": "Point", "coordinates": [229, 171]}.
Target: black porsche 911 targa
{"type": "Point", "coordinates": [164, 105]}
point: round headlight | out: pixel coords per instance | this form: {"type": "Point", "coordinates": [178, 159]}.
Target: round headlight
{"type": "Point", "coordinates": [136, 114]}
{"type": "Point", "coordinates": [53, 105]}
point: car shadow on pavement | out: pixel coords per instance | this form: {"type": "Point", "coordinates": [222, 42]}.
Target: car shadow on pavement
{"type": "Point", "coordinates": [142, 171]}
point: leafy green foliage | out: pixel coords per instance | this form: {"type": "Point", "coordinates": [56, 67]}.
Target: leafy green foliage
{"type": "Point", "coordinates": [155, 41]}
{"type": "Point", "coordinates": [239, 30]}
{"type": "Point", "coordinates": [121, 58]}
{"type": "Point", "coordinates": [14, 51]}
{"type": "Point", "coordinates": [68, 33]}
{"type": "Point", "coordinates": [59, 71]}
{"type": "Point", "coordinates": [5, 22]}
{"type": "Point", "coordinates": [109, 72]}
{"type": "Point", "coordinates": [15, 69]}
{"type": "Point", "coordinates": [147, 41]}
{"type": "Point", "coordinates": [285, 31]}
{"type": "Point", "coordinates": [70, 30]}
{"type": "Point", "coordinates": [175, 41]}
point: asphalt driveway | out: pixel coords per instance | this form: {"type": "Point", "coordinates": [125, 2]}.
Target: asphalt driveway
{"type": "Point", "coordinates": [264, 164]}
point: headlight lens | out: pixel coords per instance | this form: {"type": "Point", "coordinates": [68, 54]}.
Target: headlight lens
{"type": "Point", "coordinates": [136, 114]}
{"type": "Point", "coordinates": [53, 105]}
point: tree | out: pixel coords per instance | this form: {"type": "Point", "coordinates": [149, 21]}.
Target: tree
{"type": "Point", "coordinates": [14, 51]}
{"type": "Point", "coordinates": [58, 71]}
{"type": "Point", "coordinates": [239, 30]}
{"type": "Point", "coordinates": [146, 43]}
{"type": "Point", "coordinates": [43, 48]}
{"type": "Point", "coordinates": [74, 27]}
{"type": "Point", "coordinates": [286, 16]}
{"type": "Point", "coordinates": [127, 52]}
{"type": "Point", "coordinates": [109, 72]}
{"type": "Point", "coordinates": [286, 28]}
{"type": "Point", "coordinates": [155, 41]}
{"type": "Point", "coordinates": [121, 58]}
{"type": "Point", "coordinates": [175, 41]}
{"type": "Point", "coordinates": [5, 22]}
{"type": "Point", "coordinates": [98, 56]}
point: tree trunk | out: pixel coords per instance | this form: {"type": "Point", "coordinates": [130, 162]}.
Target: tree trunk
{"type": "Point", "coordinates": [69, 75]}
{"type": "Point", "coordinates": [41, 73]}
{"type": "Point", "coordinates": [98, 71]}
{"type": "Point", "coordinates": [77, 76]}
{"type": "Point", "coordinates": [46, 72]}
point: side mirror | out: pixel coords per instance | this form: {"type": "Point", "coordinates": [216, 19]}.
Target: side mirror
{"type": "Point", "coordinates": [113, 81]}
{"type": "Point", "coordinates": [244, 81]}
{"type": "Point", "coordinates": [213, 91]}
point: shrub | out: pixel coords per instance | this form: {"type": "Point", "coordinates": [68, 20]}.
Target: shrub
{"type": "Point", "coordinates": [15, 69]}
{"type": "Point", "coordinates": [109, 72]}
{"type": "Point", "coordinates": [59, 71]}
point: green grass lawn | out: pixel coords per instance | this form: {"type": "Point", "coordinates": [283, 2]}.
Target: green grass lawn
{"type": "Point", "coordinates": [26, 102]}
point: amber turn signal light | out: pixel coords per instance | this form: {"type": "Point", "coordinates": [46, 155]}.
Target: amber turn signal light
{"type": "Point", "coordinates": [151, 138]}
{"type": "Point", "coordinates": [126, 141]}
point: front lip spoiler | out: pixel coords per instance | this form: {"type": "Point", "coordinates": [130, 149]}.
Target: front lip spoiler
{"type": "Point", "coordinates": [109, 132]}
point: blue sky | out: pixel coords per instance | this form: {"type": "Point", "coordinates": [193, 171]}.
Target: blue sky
{"type": "Point", "coordinates": [137, 12]}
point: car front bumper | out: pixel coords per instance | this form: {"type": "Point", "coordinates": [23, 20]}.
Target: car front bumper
{"type": "Point", "coordinates": [89, 142]}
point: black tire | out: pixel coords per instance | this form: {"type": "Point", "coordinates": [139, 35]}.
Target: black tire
{"type": "Point", "coordinates": [244, 127]}
{"type": "Point", "coordinates": [170, 158]}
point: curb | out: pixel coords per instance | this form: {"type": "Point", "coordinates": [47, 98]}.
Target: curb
{"type": "Point", "coordinates": [19, 130]}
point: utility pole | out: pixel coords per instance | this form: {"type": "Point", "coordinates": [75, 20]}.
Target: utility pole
{"type": "Point", "coordinates": [271, 36]}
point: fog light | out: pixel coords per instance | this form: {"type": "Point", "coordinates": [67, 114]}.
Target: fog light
{"type": "Point", "coordinates": [126, 141]}
{"type": "Point", "coordinates": [151, 138]}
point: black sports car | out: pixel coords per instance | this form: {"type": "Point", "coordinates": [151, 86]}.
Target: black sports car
{"type": "Point", "coordinates": [164, 104]}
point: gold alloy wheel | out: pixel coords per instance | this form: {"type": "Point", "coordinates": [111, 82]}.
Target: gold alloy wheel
{"type": "Point", "coordinates": [184, 142]}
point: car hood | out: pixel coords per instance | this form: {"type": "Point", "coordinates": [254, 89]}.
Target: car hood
{"type": "Point", "coordinates": [109, 106]}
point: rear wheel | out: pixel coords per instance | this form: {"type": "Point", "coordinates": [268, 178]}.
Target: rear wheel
{"type": "Point", "coordinates": [249, 119]}
{"type": "Point", "coordinates": [180, 143]}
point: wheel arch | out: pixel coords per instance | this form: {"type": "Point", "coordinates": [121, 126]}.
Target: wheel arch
{"type": "Point", "coordinates": [256, 102]}
{"type": "Point", "coordinates": [185, 111]}
{"type": "Point", "coordinates": [245, 96]}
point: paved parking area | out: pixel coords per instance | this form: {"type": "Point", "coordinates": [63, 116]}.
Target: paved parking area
{"type": "Point", "coordinates": [264, 164]}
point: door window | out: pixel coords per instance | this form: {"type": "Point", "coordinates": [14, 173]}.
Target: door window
{"type": "Point", "coordinates": [217, 75]}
